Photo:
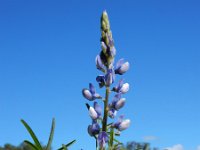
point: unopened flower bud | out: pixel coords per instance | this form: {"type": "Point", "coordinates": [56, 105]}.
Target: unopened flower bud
{"type": "Point", "coordinates": [99, 63]}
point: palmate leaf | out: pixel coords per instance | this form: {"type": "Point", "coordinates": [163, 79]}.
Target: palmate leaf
{"type": "Point", "coordinates": [33, 147]}
{"type": "Point", "coordinates": [51, 135]}
{"type": "Point", "coordinates": [67, 145]}
{"type": "Point", "coordinates": [32, 134]}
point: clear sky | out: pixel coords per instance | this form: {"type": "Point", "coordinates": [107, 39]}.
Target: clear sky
{"type": "Point", "coordinates": [47, 52]}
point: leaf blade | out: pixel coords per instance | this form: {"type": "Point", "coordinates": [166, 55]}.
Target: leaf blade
{"type": "Point", "coordinates": [33, 147]}
{"type": "Point", "coordinates": [32, 134]}
{"type": "Point", "coordinates": [51, 135]}
{"type": "Point", "coordinates": [67, 145]}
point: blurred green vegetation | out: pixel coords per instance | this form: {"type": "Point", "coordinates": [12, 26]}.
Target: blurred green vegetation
{"type": "Point", "coordinates": [137, 146]}
{"type": "Point", "coordinates": [128, 146]}
{"type": "Point", "coordinates": [22, 146]}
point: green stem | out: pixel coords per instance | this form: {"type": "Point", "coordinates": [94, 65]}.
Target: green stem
{"type": "Point", "coordinates": [106, 109]}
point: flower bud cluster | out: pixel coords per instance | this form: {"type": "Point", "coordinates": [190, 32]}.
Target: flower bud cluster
{"type": "Point", "coordinates": [105, 63]}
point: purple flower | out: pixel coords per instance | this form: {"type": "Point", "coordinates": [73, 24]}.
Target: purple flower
{"type": "Point", "coordinates": [90, 93]}
{"type": "Point", "coordinates": [121, 67]}
{"type": "Point", "coordinates": [112, 112]}
{"type": "Point", "coordinates": [101, 80]}
{"type": "Point", "coordinates": [107, 80]}
{"type": "Point", "coordinates": [109, 77]}
{"type": "Point", "coordinates": [102, 139]}
{"type": "Point", "coordinates": [95, 112]}
{"type": "Point", "coordinates": [93, 129]}
{"type": "Point", "coordinates": [99, 63]}
{"type": "Point", "coordinates": [120, 103]}
{"type": "Point", "coordinates": [122, 124]}
{"type": "Point", "coordinates": [121, 87]}
{"type": "Point", "coordinates": [117, 102]}
{"type": "Point", "coordinates": [115, 105]}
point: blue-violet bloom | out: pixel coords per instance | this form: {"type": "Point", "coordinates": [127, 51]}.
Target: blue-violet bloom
{"type": "Point", "coordinates": [121, 87]}
{"type": "Point", "coordinates": [102, 139]}
{"type": "Point", "coordinates": [117, 102]}
{"type": "Point", "coordinates": [101, 80]}
{"type": "Point", "coordinates": [95, 112]}
{"type": "Point", "coordinates": [93, 129]}
{"type": "Point", "coordinates": [112, 112]}
{"type": "Point", "coordinates": [90, 93]}
{"type": "Point", "coordinates": [109, 77]}
{"type": "Point", "coordinates": [99, 63]}
{"type": "Point", "coordinates": [121, 67]}
{"type": "Point", "coordinates": [122, 124]}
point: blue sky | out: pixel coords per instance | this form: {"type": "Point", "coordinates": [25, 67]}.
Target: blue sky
{"type": "Point", "coordinates": [47, 52]}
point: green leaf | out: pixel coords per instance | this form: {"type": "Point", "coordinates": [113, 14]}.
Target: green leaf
{"type": "Point", "coordinates": [51, 135]}
{"type": "Point", "coordinates": [32, 134]}
{"type": "Point", "coordinates": [64, 147]}
{"type": "Point", "coordinates": [33, 147]}
{"type": "Point", "coordinates": [67, 145]}
{"type": "Point", "coordinates": [117, 141]}
{"type": "Point", "coordinates": [111, 136]}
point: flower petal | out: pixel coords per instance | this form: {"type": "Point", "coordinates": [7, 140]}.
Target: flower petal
{"type": "Point", "coordinates": [119, 63]}
{"type": "Point", "coordinates": [124, 125]}
{"type": "Point", "coordinates": [99, 63]}
{"type": "Point", "coordinates": [120, 103]}
{"type": "Point", "coordinates": [101, 80]}
{"type": "Point", "coordinates": [92, 89]}
{"type": "Point", "coordinates": [112, 113]}
{"type": "Point", "coordinates": [87, 94]}
{"type": "Point", "coordinates": [125, 88]}
{"type": "Point", "coordinates": [97, 108]}
{"type": "Point", "coordinates": [93, 114]}
{"type": "Point", "coordinates": [93, 129]}
{"type": "Point", "coordinates": [102, 139]}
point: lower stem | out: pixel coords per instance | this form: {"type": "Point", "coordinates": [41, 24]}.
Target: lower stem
{"type": "Point", "coordinates": [106, 109]}
{"type": "Point", "coordinates": [105, 116]}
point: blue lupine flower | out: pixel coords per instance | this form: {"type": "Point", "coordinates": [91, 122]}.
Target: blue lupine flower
{"type": "Point", "coordinates": [90, 93]}
{"type": "Point", "coordinates": [98, 109]}
{"type": "Point", "coordinates": [122, 124]}
{"type": "Point", "coordinates": [102, 139]}
{"type": "Point", "coordinates": [112, 112]}
{"type": "Point", "coordinates": [117, 102]}
{"type": "Point", "coordinates": [101, 80]}
{"type": "Point", "coordinates": [121, 87]}
{"type": "Point", "coordinates": [93, 129]}
{"type": "Point", "coordinates": [99, 63]}
{"type": "Point", "coordinates": [109, 77]}
{"type": "Point", "coordinates": [95, 112]}
{"type": "Point", "coordinates": [121, 67]}
{"type": "Point", "coordinates": [107, 80]}
{"type": "Point", "coordinates": [120, 103]}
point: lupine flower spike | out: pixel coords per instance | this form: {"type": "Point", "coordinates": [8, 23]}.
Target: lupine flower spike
{"type": "Point", "coordinates": [103, 131]}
